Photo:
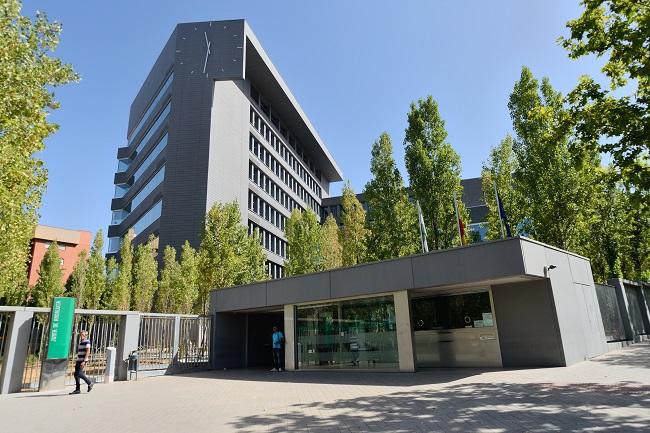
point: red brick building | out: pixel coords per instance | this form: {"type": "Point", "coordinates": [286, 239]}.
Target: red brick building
{"type": "Point", "coordinates": [70, 243]}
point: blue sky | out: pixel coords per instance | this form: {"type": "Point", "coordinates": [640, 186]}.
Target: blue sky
{"type": "Point", "coordinates": [354, 66]}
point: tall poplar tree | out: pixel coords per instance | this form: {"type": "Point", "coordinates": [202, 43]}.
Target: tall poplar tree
{"type": "Point", "coordinates": [165, 301]}
{"type": "Point", "coordinates": [392, 220]}
{"type": "Point", "coordinates": [145, 276]}
{"type": "Point", "coordinates": [28, 72]}
{"type": "Point", "coordinates": [76, 284]}
{"type": "Point", "coordinates": [228, 255]}
{"type": "Point", "coordinates": [121, 297]}
{"type": "Point", "coordinates": [555, 188]}
{"type": "Point", "coordinates": [187, 289]}
{"type": "Point", "coordinates": [95, 274]}
{"type": "Point", "coordinates": [434, 173]}
{"type": "Point", "coordinates": [500, 168]}
{"type": "Point", "coordinates": [331, 250]}
{"type": "Point", "coordinates": [112, 273]}
{"type": "Point", "coordinates": [304, 238]}
{"type": "Point", "coordinates": [354, 234]}
{"type": "Point", "coordinates": [50, 277]}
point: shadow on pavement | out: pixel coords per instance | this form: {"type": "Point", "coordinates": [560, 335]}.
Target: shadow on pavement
{"type": "Point", "coordinates": [470, 407]}
{"type": "Point", "coordinates": [634, 356]}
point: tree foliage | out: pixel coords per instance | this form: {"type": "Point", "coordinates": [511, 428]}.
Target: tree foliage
{"type": "Point", "coordinates": [27, 74]}
{"type": "Point", "coordinates": [303, 234]}
{"type": "Point", "coordinates": [112, 274]}
{"type": "Point", "coordinates": [165, 301]}
{"type": "Point", "coordinates": [392, 220]}
{"type": "Point", "coordinates": [331, 250]}
{"type": "Point", "coordinates": [353, 235]}
{"type": "Point", "coordinates": [76, 284]}
{"type": "Point", "coordinates": [499, 169]}
{"type": "Point", "coordinates": [228, 255]}
{"type": "Point", "coordinates": [145, 276]}
{"type": "Point", "coordinates": [614, 120]}
{"type": "Point", "coordinates": [50, 277]}
{"type": "Point", "coordinates": [95, 274]}
{"type": "Point", "coordinates": [187, 290]}
{"type": "Point", "coordinates": [434, 173]}
{"type": "Point", "coordinates": [123, 289]}
{"type": "Point", "coordinates": [554, 187]}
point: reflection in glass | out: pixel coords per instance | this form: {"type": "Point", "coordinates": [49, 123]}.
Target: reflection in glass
{"type": "Point", "coordinates": [349, 334]}
{"type": "Point", "coordinates": [466, 310]}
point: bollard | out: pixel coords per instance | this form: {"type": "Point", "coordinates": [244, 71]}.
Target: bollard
{"type": "Point", "coordinates": [111, 356]}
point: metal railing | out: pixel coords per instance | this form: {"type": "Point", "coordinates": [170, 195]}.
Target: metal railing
{"type": "Point", "coordinates": [194, 341]}
{"type": "Point", "coordinates": [5, 319]}
{"type": "Point", "coordinates": [35, 351]}
{"type": "Point", "coordinates": [103, 331]}
{"type": "Point", "coordinates": [155, 342]}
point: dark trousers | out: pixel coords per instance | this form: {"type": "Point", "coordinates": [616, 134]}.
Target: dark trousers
{"type": "Point", "coordinates": [80, 374]}
{"type": "Point", "coordinates": [277, 359]}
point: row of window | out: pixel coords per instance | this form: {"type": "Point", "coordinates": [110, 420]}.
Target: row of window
{"type": "Point", "coordinates": [263, 209]}
{"type": "Point", "coordinates": [260, 179]}
{"type": "Point", "coordinates": [269, 241]}
{"type": "Point", "coordinates": [277, 144]}
{"type": "Point", "coordinates": [123, 188]}
{"type": "Point", "coordinates": [143, 120]}
{"type": "Point", "coordinates": [259, 150]}
{"type": "Point", "coordinates": [149, 217]}
{"type": "Point", "coordinates": [274, 270]}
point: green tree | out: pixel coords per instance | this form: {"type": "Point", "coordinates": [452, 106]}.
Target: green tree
{"type": "Point", "coordinates": [434, 173]}
{"type": "Point", "coordinates": [112, 274]}
{"type": "Point", "coordinates": [500, 168]}
{"type": "Point", "coordinates": [165, 301]}
{"type": "Point", "coordinates": [354, 234]}
{"type": "Point", "coordinates": [636, 259]}
{"type": "Point", "coordinates": [303, 234]}
{"type": "Point", "coordinates": [187, 289]}
{"type": "Point", "coordinates": [50, 277]}
{"type": "Point", "coordinates": [392, 220]}
{"type": "Point", "coordinates": [331, 250]}
{"type": "Point", "coordinates": [28, 72]}
{"type": "Point", "coordinates": [76, 284]}
{"type": "Point", "coordinates": [121, 296]}
{"type": "Point", "coordinates": [145, 276]}
{"type": "Point", "coordinates": [95, 274]}
{"type": "Point", "coordinates": [614, 120]}
{"type": "Point", "coordinates": [555, 189]}
{"type": "Point", "coordinates": [228, 255]}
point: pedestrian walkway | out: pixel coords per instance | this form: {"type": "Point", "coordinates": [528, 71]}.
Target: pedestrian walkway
{"type": "Point", "coordinates": [610, 393]}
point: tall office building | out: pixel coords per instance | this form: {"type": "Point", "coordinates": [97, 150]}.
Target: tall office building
{"type": "Point", "coordinates": [215, 122]}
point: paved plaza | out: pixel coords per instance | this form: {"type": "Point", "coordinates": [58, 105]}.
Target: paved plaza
{"type": "Point", "coordinates": [609, 393]}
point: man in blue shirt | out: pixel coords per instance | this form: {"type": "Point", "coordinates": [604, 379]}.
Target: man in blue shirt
{"type": "Point", "coordinates": [278, 341]}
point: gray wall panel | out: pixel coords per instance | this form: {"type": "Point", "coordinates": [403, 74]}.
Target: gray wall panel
{"type": "Point", "coordinates": [229, 341]}
{"type": "Point", "coordinates": [300, 289]}
{"type": "Point", "coordinates": [380, 277]}
{"type": "Point", "coordinates": [528, 331]}
{"type": "Point", "coordinates": [237, 298]}
{"type": "Point", "coordinates": [473, 263]}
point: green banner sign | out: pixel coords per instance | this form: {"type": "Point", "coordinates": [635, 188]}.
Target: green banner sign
{"type": "Point", "coordinates": [61, 322]}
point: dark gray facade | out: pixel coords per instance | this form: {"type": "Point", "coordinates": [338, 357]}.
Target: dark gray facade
{"type": "Point", "coordinates": [545, 309]}
{"type": "Point", "coordinates": [211, 93]}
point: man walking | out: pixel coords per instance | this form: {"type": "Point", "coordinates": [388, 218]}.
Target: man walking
{"type": "Point", "coordinates": [83, 356]}
{"type": "Point", "coordinates": [278, 340]}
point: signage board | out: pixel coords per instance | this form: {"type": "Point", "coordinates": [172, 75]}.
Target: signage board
{"type": "Point", "coordinates": [61, 322]}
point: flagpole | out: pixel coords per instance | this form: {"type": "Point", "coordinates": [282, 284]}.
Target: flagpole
{"type": "Point", "coordinates": [460, 233]}
{"type": "Point", "coordinates": [496, 198]}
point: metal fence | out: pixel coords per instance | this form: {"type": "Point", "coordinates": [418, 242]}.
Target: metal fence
{"type": "Point", "coordinates": [155, 343]}
{"type": "Point", "coordinates": [610, 313]}
{"type": "Point", "coordinates": [4, 331]}
{"type": "Point", "coordinates": [35, 351]}
{"type": "Point", "coordinates": [194, 342]}
{"type": "Point", "coordinates": [103, 331]}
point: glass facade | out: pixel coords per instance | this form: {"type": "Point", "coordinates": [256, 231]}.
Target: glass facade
{"type": "Point", "coordinates": [148, 218]}
{"type": "Point", "coordinates": [150, 158]}
{"type": "Point", "coordinates": [359, 333]}
{"type": "Point", "coordinates": [163, 92]}
{"type": "Point", "coordinates": [146, 190]}
{"type": "Point", "coordinates": [464, 310]}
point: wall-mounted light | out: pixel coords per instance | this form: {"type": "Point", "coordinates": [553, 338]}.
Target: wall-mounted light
{"type": "Point", "coordinates": [548, 268]}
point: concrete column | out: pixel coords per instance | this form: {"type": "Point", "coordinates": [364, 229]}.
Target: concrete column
{"type": "Point", "coordinates": [111, 355]}
{"type": "Point", "coordinates": [405, 346]}
{"type": "Point", "coordinates": [13, 364]}
{"type": "Point", "coordinates": [128, 342]}
{"type": "Point", "coordinates": [177, 336]}
{"type": "Point", "coordinates": [623, 306]}
{"type": "Point", "coordinates": [289, 337]}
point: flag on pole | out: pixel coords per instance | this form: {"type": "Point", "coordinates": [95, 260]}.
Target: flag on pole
{"type": "Point", "coordinates": [459, 222]}
{"type": "Point", "coordinates": [503, 216]}
{"type": "Point", "coordinates": [423, 229]}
